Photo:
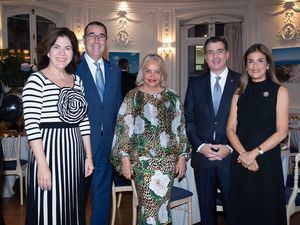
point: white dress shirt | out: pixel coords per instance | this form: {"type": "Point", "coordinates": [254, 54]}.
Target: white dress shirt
{"type": "Point", "coordinates": [93, 67]}
{"type": "Point", "coordinates": [222, 82]}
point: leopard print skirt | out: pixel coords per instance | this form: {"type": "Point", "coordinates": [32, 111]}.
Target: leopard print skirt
{"type": "Point", "coordinates": [154, 179]}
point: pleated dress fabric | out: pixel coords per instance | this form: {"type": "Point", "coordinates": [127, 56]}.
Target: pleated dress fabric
{"type": "Point", "coordinates": [58, 117]}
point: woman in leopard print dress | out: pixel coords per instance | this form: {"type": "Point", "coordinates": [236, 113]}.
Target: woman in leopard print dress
{"type": "Point", "coordinates": [150, 143]}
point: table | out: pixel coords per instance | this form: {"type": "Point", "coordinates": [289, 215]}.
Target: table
{"type": "Point", "coordinates": [180, 215]}
{"type": "Point", "coordinates": [8, 151]}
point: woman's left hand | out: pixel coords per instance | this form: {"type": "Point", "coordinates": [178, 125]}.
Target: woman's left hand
{"type": "Point", "coordinates": [247, 158]}
{"type": "Point", "coordinates": [181, 167]}
{"type": "Point", "coordinates": [89, 166]}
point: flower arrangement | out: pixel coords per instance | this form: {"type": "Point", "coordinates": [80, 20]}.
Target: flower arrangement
{"type": "Point", "coordinates": [14, 67]}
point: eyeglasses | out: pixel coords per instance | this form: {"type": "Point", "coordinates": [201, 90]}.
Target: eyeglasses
{"type": "Point", "coordinates": [92, 36]}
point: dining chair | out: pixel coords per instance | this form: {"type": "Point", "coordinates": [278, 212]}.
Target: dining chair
{"type": "Point", "coordinates": [293, 193]}
{"type": "Point", "coordinates": [120, 184]}
{"type": "Point", "coordinates": [179, 197]}
{"type": "Point", "coordinates": [13, 165]}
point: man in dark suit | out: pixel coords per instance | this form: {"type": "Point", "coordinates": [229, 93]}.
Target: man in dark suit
{"type": "Point", "coordinates": [127, 80]}
{"type": "Point", "coordinates": [207, 107]}
{"type": "Point", "coordinates": [101, 81]}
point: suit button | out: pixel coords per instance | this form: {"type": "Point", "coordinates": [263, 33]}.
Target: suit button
{"type": "Point", "coordinates": [216, 123]}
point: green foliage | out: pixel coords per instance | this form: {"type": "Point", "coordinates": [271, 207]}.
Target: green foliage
{"type": "Point", "coordinates": [10, 67]}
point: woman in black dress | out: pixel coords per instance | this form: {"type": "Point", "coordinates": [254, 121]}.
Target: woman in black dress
{"type": "Point", "coordinates": [257, 123]}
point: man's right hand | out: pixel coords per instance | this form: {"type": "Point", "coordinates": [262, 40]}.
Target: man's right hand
{"type": "Point", "coordinates": [207, 151]}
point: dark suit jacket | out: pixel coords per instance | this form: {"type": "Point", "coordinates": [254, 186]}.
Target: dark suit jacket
{"type": "Point", "coordinates": [127, 82]}
{"type": "Point", "coordinates": [101, 113]}
{"type": "Point", "coordinates": [200, 117]}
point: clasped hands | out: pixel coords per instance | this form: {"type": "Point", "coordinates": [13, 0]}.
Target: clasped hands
{"type": "Point", "coordinates": [248, 160]}
{"type": "Point", "coordinates": [215, 152]}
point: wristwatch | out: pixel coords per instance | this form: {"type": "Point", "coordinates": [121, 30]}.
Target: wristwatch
{"type": "Point", "coordinates": [261, 152]}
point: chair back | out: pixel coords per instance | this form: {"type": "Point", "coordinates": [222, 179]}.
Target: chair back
{"type": "Point", "coordinates": [293, 204]}
{"type": "Point", "coordinates": [11, 153]}
{"type": "Point", "coordinates": [12, 164]}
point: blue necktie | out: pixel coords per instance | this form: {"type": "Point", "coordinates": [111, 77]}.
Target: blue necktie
{"type": "Point", "coordinates": [99, 80]}
{"type": "Point", "coordinates": [217, 94]}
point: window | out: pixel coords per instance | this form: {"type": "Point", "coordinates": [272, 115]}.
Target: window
{"type": "Point", "coordinates": [200, 30]}
{"type": "Point", "coordinates": [196, 62]}
{"type": "Point", "coordinates": [18, 32]}
{"type": "Point", "coordinates": [25, 28]}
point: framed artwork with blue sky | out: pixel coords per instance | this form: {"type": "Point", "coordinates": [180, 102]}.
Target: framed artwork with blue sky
{"type": "Point", "coordinates": [287, 62]}
{"type": "Point", "coordinates": [132, 57]}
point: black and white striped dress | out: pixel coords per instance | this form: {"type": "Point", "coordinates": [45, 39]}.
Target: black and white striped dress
{"type": "Point", "coordinates": [58, 116]}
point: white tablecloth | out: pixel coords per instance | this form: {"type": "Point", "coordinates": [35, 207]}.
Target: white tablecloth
{"type": "Point", "coordinates": [180, 215]}
{"type": "Point", "coordinates": [8, 146]}
{"type": "Point", "coordinates": [285, 163]}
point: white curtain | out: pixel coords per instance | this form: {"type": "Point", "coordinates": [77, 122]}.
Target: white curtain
{"type": "Point", "coordinates": [233, 35]}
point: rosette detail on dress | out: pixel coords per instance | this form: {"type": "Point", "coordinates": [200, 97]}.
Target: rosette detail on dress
{"type": "Point", "coordinates": [72, 106]}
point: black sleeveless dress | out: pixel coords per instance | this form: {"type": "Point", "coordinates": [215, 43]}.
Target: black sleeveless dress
{"type": "Point", "coordinates": [257, 198]}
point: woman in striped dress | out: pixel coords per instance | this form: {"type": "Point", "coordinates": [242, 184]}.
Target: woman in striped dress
{"type": "Point", "coordinates": [57, 126]}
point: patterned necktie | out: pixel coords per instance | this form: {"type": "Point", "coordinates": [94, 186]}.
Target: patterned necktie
{"type": "Point", "coordinates": [217, 94]}
{"type": "Point", "coordinates": [99, 80]}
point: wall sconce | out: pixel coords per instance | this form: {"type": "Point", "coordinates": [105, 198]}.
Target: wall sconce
{"type": "Point", "coordinates": [81, 47]}
{"type": "Point", "coordinates": [289, 29]}
{"type": "Point", "coordinates": [166, 49]}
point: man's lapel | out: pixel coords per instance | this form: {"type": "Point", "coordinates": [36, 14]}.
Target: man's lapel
{"type": "Point", "coordinates": [209, 95]}
{"type": "Point", "coordinates": [227, 92]}
{"type": "Point", "coordinates": [90, 87]}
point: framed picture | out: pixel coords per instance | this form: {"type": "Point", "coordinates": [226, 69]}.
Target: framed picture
{"type": "Point", "coordinates": [287, 62]}
{"type": "Point", "coordinates": [132, 57]}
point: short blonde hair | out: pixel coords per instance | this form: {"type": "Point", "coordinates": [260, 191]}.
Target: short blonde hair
{"type": "Point", "coordinates": [152, 56]}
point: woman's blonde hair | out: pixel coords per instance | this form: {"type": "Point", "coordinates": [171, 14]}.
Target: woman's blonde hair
{"type": "Point", "coordinates": [153, 56]}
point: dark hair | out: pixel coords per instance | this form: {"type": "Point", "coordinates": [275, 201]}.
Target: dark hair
{"type": "Point", "coordinates": [123, 64]}
{"type": "Point", "coordinates": [270, 73]}
{"type": "Point", "coordinates": [48, 41]}
{"type": "Point", "coordinates": [215, 40]}
{"type": "Point", "coordinates": [97, 24]}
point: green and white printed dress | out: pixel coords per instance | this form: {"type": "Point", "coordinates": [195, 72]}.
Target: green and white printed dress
{"type": "Point", "coordinates": [150, 130]}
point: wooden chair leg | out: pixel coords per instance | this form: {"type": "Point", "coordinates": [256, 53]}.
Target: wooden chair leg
{"type": "Point", "coordinates": [119, 199]}
{"type": "Point", "coordinates": [114, 205]}
{"type": "Point", "coordinates": [134, 203]}
{"type": "Point", "coordinates": [190, 212]}
{"type": "Point", "coordinates": [21, 187]}
{"type": "Point", "coordinates": [134, 212]}
{"type": "Point", "coordinates": [26, 181]}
